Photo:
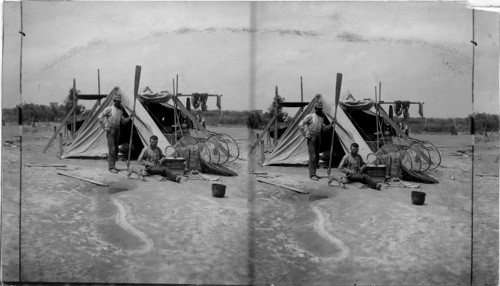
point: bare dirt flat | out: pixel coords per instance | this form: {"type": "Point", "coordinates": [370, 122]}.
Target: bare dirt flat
{"type": "Point", "coordinates": [162, 232]}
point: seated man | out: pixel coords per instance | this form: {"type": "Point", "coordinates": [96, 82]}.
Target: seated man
{"type": "Point", "coordinates": [353, 165]}
{"type": "Point", "coordinates": [153, 158]}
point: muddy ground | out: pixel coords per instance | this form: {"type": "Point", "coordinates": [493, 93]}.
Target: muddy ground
{"type": "Point", "coordinates": [162, 232]}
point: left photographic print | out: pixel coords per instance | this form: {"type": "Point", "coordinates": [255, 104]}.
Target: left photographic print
{"type": "Point", "coordinates": [124, 142]}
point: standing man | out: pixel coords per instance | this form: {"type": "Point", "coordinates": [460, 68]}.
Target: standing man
{"type": "Point", "coordinates": [353, 165]}
{"type": "Point", "coordinates": [311, 127]}
{"type": "Point", "coordinates": [110, 120]}
{"type": "Point", "coordinates": [152, 157]}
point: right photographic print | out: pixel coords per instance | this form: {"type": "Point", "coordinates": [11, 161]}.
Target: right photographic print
{"type": "Point", "coordinates": [373, 144]}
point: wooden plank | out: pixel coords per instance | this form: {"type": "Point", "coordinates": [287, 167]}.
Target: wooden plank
{"type": "Point", "coordinates": [487, 175]}
{"type": "Point", "coordinates": [83, 179]}
{"type": "Point", "coordinates": [191, 117]}
{"type": "Point", "coordinates": [45, 165]}
{"type": "Point", "coordinates": [90, 96]}
{"type": "Point", "coordinates": [294, 104]}
{"type": "Point", "coordinates": [59, 129]}
{"type": "Point", "coordinates": [263, 132]}
{"type": "Point", "coordinates": [180, 94]}
{"type": "Point", "coordinates": [283, 186]}
{"type": "Point", "coordinates": [393, 125]}
{"type": "Point", "coordinates": [392, 102]}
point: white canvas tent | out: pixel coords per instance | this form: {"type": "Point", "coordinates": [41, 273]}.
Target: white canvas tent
{"type": "Point", "coordinates": [292, 147]}
{"type": "Point", "coordinates": [91, 139]}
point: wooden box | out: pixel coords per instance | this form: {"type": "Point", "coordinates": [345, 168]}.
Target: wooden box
{"type": "Point", "coordinates": [376, 172]}
{"type": "Point", "coordinates": [175, 164]}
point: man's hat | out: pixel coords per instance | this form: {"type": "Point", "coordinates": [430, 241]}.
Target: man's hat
{"type": "Point", "coordinates": [117, 97]}
{"type": "Point", "coordinates": [318, 104]}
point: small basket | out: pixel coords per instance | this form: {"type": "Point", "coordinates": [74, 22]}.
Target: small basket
{"type": "Point", "coordinates": [218, 190]}
{"type": "Point", "coordinates": [417, 198]}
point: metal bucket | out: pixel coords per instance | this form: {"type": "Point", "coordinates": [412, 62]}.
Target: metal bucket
{"type": "Point", "coordinates": [218, 190]}
{"type": "Point", "coordinates": [417, 198]}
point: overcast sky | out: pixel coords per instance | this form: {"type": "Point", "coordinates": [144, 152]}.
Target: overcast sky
{"type": "Point", "coordinates": [419, 51]}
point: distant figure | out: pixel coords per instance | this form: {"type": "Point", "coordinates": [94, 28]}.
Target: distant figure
{"type": "Point", "coordinates": [201, 120]}
{"type": "Point", "coordinates": [353, 165]}
{"type": "Point", "coordinates": [311, 127]}
{"type": "Point", "coordinates": [110, 120]}
{"type": "Point", "coordinates": [404, 127]}
{"type": "Point", "coordinates": [152, 157]}
{"type": "Point", "coordinates": [453, 130]}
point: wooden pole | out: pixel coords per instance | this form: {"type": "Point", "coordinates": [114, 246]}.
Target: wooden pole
{"type": "Point", "coordinates": [266, 129]}
{"type": "Point", "coordinates": [376, 120]}
{"type": "Point", "coordinates": [380, 119]}
{"type": "Point", "coordinates": [190, 116]}
{"type": "Point", "coordinates": [379, 91]}
{"type": "Point", "coordinates": [276, 113]}
{"type": "Point", "coordinates": [83, 179]}
{"type": "Point", "coordinates": [176, 94]}
{"type": "Point", "coordinates": [473, 142]}
{"type": "Point", "coordinates": [73, 126]}
{"type": "Point", "coordinates": [60, 144]}
{"type": "Point", "coordinates": [262, 158]}
{"type": "Point", "coordinates": [338, 86]}
{"type": "Point", "coordinates": [301, 91]}
{"type": "Point", "coordinates": [376, 116]}
{"type": "Point", "coordinates": [98, 83]}
{"type": "Point", "coordinates": [136, 90]}
{"type": "Point", "coordinates": [285, 187]}
{"type": "Point", "coordinates": [175, 110]}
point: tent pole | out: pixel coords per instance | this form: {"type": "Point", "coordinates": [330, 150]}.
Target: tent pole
{"type": "Point", "coordinates": [276, 113]}
{"type": "Point", "coordinates": [380, 120]}
{"type": "Point", "coordinates": [301, 91]}
{"type": "Point", "coordinates": [176, 94]}
{"type": "Point", "coordinates": [73, 126]}
{"type": "Point", "coordinates": [376, 120]}
{"type": "Point", "coordinates": [301, 94]}
{"type": "Point", "coordinates": [98, 83]}
{"type": "Point", "coordinates": [175, 110]}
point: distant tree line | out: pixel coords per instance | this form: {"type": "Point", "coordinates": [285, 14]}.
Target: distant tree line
{"type": "Point", "coordinates": [482, 122]}
{"type": "Point", "coordinates": [257, 119]}
{"type": "Point", "coordinates": [43, 113]}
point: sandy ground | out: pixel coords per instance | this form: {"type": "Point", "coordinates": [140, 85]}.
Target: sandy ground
{"type": "Point", "coordinates": [162, 232]}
